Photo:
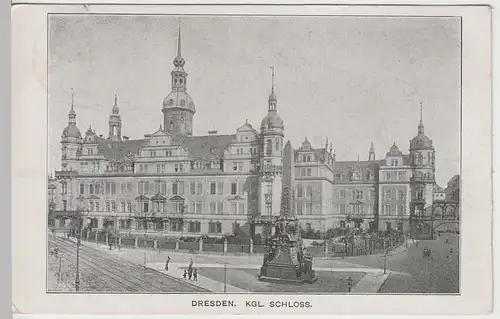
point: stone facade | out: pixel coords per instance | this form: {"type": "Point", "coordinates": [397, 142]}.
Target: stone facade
{"type": "Point", "coordinates": [185, 185]}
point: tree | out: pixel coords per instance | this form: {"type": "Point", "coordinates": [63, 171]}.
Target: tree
{"type": "Point", "coordinates": [51, 215]}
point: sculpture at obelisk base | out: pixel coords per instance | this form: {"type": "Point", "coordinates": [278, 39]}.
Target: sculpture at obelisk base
{"type": "Point", "coordinates": [286, 260]}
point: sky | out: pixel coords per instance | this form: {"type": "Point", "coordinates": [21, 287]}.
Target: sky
{"type": "Point", "coordinates": [353, 80]}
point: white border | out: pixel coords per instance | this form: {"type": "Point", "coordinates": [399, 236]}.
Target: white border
{"type": "Point", "coordinates": [29, 146]}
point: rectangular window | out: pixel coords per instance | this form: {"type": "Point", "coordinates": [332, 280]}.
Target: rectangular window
{"type": "Point", "coordinates": [192, 188]}
{"type": "Point", "coordinates": [108, 188]}
{"type": "Point", "coordinates": [240, 166]}
{"type": "Point", "coordinates": [234, 188]}
{"type": "Point", "coordinates": [146, 187]}
{"type": "Point", "coordinates": [387, 176]}
{"type": "Point", "coordinates": [212, 188]}
{"type": "Point", "coordinates": [387, 209]}
{"type": "Point", "coordinates": [342, 208]}
{"type": "Point", "coordinates": [113, 206]}
{"type": "Point", "coordinates": [299, 191]}
{"type": "Point", "coordinates": [122, 204]}
{"type": "Point", "coordinates": [308, 172]}
{"type": "Point", "coordinates": [342, 194]}
{"type": "Point", "coordinates": [199, 209]}
{"type": "Point", "coordinates": [220, 208]}
{"type": "Point", "coordinates": [241, 189]}
{"type": "Point", "coordinates": [82, 188]}
{"type": "Point", "coordinates": [219, 228]}
{"type": "Point", "coordinates": [123, 188]}
{"type": "Point", "coordinates": [97, 206]}
{"type": "Point", "coordinates": [91, 206]}
{"type": "Point", "coordinates": [113, 188]}
{"type": "Point", "coordinates": [212, 208]}
{"type": "Point", "coordinates": [387, 194]}
{"type": "Point", "coordinates": [175, 188]}
{"type": "Point", "coordinates": [176, 167]}
{"type": "Point", "coordinates": [309, 192]}
{"type": "Point", "coordinates": [108, 206]}
{"type": "Point", "coordinates": [401, 209]}
{"type": "Point", "coordinates": [401, 194]}
{"type": "Point", "coordinates": [146, 207]}
{"type": "Point", "coordinates": [129, 207]}
{"type": "Point", "coordinates": [394, 163]}
{"type": "Point", "coordinates": [91, 189]}
{"type": "Point", "coordinates": [129, 187]}
{"type": "Point", "coordinates": [299, 208]}
{"type": "Point", "coordinates": [400, 176]}
{"type": "Point", "coordinates": [163, 168]}
{"type": "Point", "coordinates": [303, 172]}
{"type": "Point", "coordinates": [157, 187]}
{"type": "Point", "coordinates": [234, 208]}
{"type": "Point", "coordinates": [308, 208]}
{"type": "Point", "coordinates": [199, 188]}
{"type": "Point", "coordinates": [220, 188]}
{"type": "Point", "coordinates": [235, 166]}
{"type": "Point", "coordinates": [158, 168]}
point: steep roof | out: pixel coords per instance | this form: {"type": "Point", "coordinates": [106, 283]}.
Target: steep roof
{"type": "Point", "coordinates": [205, 147]}
{"type": "Point", "coordinates": [119, 150]}
{"type": "Point", "coordinates": [343, 171]}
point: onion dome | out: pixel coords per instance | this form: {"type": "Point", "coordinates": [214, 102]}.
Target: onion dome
{"type": "Point", "coordinates": [421, 141]}
{"type": "Point", "coordinates": [272, 122]}
{"type": "Point", "coordinates": [71, 131]}
{"type": "Point", "coordinates": [179, 100]}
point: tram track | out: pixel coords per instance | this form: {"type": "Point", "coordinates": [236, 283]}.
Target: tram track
{"type": "Point", "coordinates": [122, 274]}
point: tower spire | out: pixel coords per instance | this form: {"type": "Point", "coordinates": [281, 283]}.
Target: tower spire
{"type": "Point", "coordinates": [421, 125]}
{"type": "Point", "coordinates": [371, 153]}
{"type": "Point", "coordinates": [272, 96]}
{"type": "Point", "coordinates": [179, 42]}
{"type": "Point", "coordinates": [72, 113]}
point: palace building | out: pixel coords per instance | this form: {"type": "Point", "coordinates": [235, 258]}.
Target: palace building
{"type": "Point", "coordinates": [216, 185]}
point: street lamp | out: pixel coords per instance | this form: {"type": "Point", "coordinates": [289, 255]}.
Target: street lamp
{"type": "Point", "coordinates": [78, 224]}
{"type": "Point", "coordinates": [225, 276]}
{"type": "Point", "coordinates": [349, 284]}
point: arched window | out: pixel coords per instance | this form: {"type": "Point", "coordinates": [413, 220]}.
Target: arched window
{"type": "Point", "coordinates": [299, 191]}
{"type": "Point", "coordinates": [342, 224]}
{"type": "Point", "coordinates": [308, 158]}
{"type": "Point", "coordinates": [171, 125]}
{"type": "Point", "coordinates": [269, 147]}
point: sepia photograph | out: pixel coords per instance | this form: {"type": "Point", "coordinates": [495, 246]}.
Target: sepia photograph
{"type": "Point", "coordinates": [253, 154]}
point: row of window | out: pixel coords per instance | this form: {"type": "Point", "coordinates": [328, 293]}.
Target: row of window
{"type": "Point", "coordinates": [389, 194]}
{"type": "Point", "coordinates": [159, 187]}
{"type": "Point", "coordinates": [241, 151]}
{"type": "Point", "coordinates": [356, 194]}
{"type": "Point", "coordinates": [395, 176]}
{"type": "Point", "coordinates": [303, 208]}
{"type": "Point", "coordinates": [236, 208]}
{"type": "Point", "coordinates": [355, 209]}
{"type": "Point", "coordinates": [398, 210]}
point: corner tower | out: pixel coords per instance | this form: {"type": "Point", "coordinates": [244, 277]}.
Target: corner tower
{"type": "Point", "coordinates": [178, 107]}
{"type": "Point", "coordinates": [70, 139]}
{"type": "Point", "coordinates": [271, 160]}
{"type": "Point", "coordinates": [422, 161]}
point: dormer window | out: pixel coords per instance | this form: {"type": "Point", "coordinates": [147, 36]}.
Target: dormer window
{"type": "Point", "coordinates": [170, 102]}
{"type": "Point", "coordinates": [183, 103]}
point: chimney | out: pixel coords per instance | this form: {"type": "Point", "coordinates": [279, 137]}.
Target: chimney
{"type": "Point", "coordinates": [212, 132]}
{"type": "Point", "coordinates": [125, 138]}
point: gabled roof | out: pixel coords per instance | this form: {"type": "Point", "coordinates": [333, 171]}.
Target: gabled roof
{"type": "Point", "coordinates": [142, 197]}
{"type": "Point", "coordinates": [237, 197]}
{"type": "Point", "coordinates": [176, 198]}
{"type": "Point", "coordinates": [93, 197]}
{"type": "Point", "coordinates": [158, 197]}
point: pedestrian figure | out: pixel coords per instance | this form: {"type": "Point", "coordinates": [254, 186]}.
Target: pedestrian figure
{"type": "Point", "coordinates": [191, 263]}
{"type": "Point", "coordinates": [166, 263]}
{"type": "Point", "coordinates": [195, 274]}
{"type": "Point", "coordinates": [446, 241]}
{"type": "Point", "coordinates": [110, 246]}
{"type": "Point", "coordinates": [185, 273]}
{"type": "Point", "coordinates": [190, 273]}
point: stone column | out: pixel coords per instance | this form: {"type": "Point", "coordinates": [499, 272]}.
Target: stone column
{"type": "Point", "coordinates": [225, 246]}
{"type": "Point", "coordinates": [200, 245]}
{"type": "Point", "coordinates": [250, 251]}
{"type": "Point", "coordinates": [136, 242]}
{"type": "Point", "coordinates": [177, 244]}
